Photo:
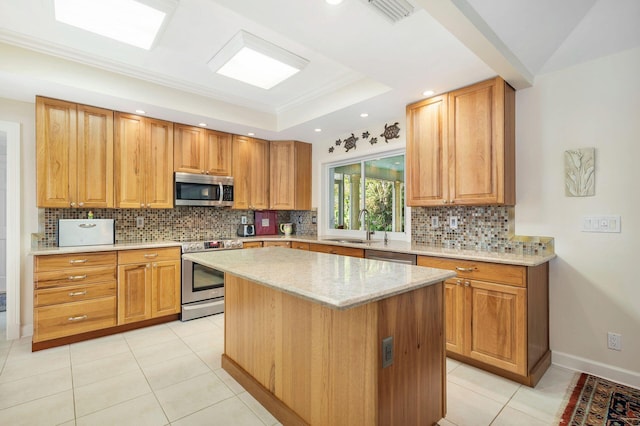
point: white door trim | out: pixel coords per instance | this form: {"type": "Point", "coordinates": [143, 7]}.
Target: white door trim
{"type": "Point", "coordinates": [14, 248]}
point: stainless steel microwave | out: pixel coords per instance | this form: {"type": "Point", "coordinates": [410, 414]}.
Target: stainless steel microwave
{"type": "Point", "coordinates": [203, 190]}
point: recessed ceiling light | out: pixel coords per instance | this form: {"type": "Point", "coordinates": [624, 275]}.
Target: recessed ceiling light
{"type": "Point", "coordinates": [333, 2]}
{"type": "Point", "coordinates": [127, 21]}
{"type": "Point", "coordinates": [255, 61]}
{"type": "Point", "coordinates": [202, 124]}
{"type": "Point", "coordinates": [251, 134]}
{"type": "Point", "coordinates": [364, 115]}
{"type": "Point", "coordinates": [140, 111]}
{"type": "Point", "coordinates": [317, 130]}
{"type": "Point", "coordinates": [428, 92]}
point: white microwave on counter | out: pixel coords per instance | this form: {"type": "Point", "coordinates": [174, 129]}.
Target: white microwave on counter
{"type": "Point", "coordinates": [203, 190]}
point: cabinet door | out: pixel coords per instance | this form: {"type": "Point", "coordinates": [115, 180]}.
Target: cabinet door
{"type": "Point", "coordinates": [159, 170]}
{"type": "Point", "coordinates": [217, 153]}
{"type": "Point", "coordinates": [454, 315]}
{"type": "Point", "coordinates": [476, 138]}
{"type": "Point", "coordinates": [95, 157]}
{"type": "Point", "coordinates": [129, 160]}
{"type": "Point", "coordinates": [188, 152]}
{"type": "Point", "coordinates": [282, 164]}
{"type": "Point", "coordinates": [134, 293]}
{"type": "Point", "coordinates": [427, 169]}
{"type": "Point", "coordinates": [259, 181]}
{"type": "Point", "coordinates": [165, 289]}
{"type": "Point", "coordinates": [241, 171]}
{"type": "Point", "coordinates": [55, 153]}
{"type": "Point", "coordinates": [495, 332]}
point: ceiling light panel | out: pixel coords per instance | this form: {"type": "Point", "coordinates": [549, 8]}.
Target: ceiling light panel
{"type": "Point", "coordinates": [128, 21]}
{"type": "Point", "coordinates": [255, 61]}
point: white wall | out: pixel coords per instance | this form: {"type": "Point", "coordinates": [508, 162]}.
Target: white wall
{"type": "Point", "coordinates": [24, 113]}
{"type": "Point", "coordinates": [594, 281]}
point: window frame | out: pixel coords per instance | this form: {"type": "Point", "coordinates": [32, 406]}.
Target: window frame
{"type": "Point", "coordinates": [327, 193]}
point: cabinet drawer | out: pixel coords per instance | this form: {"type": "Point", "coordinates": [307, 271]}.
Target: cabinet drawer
{"type": "Point", "coordinates": [277, 244]}
{"type": "Point", "coordinates": [299, 245]}
{"type": "Point", "coordinates": [52, 322]}
{"type": "Point", "coordinates": [148, 255]}
{"type": "Point", "coordinates": [77, 260]}
{"type": "Point", "coordinates": [77, 293]}
{"type": "Point", "coordinates": [483, 271]}
{"type": "Point", "coordinates": [252, 244]}
{"type": "Point", "coordinates": [74, 276]}
{"type": "Point", "coordinates": [344, 251]}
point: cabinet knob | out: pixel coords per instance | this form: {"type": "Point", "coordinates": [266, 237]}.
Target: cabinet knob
{"type": "Point", "coordinates": [149, 205]}
{"type": "Point", "coordinates": [141, 204]}
{"type": "Point", "coordinates": [458, 282]}
{"type": "Point", "coordinates": [467, 283]}
{"type": "Point", "coordinates": [155, 265]}
{"type": "Point", "coordinates": [148, 265]}
{"type": "Point", "coordinates": [73, 204]}
{"type": "Point", "coordinates": [81, 204]}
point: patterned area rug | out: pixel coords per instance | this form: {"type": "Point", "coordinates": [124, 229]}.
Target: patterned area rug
{"type": "Point", "coordinates": [599, 402]}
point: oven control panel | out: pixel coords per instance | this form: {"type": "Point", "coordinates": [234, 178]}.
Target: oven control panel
{"type": "Point", "coordinates": [200, 246]}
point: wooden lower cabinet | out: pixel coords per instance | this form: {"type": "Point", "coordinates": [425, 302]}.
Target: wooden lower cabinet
{"type": "Point", "coordinates": [331, 249]}
{"type": "Point", "coordinates": [251, 244]}
{"type": "Point", "coordinates": [497, 317]}
{"type": "Point", "coordinates": [277, 244]}
{"type": "Point", "coordinates": [151, 288]}
{"type": "Point", "coordinates": [299, 245]}
{"type": "Point", "coordinates": [73, 293]}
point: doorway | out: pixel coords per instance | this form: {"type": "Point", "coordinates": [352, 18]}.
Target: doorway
{"type": "Point", "coordinates": [10, 228]}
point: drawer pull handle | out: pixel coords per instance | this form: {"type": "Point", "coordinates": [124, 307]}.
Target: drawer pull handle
{"type": "Point", "coordinates": [458, 268]}
{"type": "Point", "coordinates": [87, 225]}
{"type": "Point", "coordinates": [77, 277]}
{"type": "Point", "coordinates": [78, 318]}
{"type": "Point", "coordinates": [72, 261]}
{"type": "Point", "coordinates": [77, 293]}
{"type": "Point", "coordinates": [151, 255]}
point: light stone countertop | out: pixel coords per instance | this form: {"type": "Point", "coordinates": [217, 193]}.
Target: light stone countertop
{"type": "Point", "coordinates": [338, 282]}
{"type": "Point", "coordinates": [422, 250]}
{"type": "Point", "coordinates": [103, 247]}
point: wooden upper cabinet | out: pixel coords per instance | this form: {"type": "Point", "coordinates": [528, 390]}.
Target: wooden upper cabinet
{"type": "Point", "coordinates": [427, 176]}
{"type": "Point", "coordinates": [74, 145]}
{"type": "Point", "coordinates": [143, 159]}
{"type": "Point", "coordinates": [250, 173]}
{"type": "Point", "coordinates": [290, 175]}
{"type": "Point", "coordinates": [201, 151]}
{"type": "Point", "coordinates": [461, 147]}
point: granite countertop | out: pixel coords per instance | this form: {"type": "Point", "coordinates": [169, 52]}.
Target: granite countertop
{"type": "Point", "coordinates": [339, 282]}
{"type": "Point", "coordinates": [103, 247]}
{"type": "Point", "coordinates": [423, 250]}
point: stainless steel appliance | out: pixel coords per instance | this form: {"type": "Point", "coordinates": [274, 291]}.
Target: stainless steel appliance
{"type": "Point", "coordinates": [203, 287]}
{"type": "Point", "coordinates": [85, 232]}
{"type": "Point", "coordinates": [203, 190]}
{"type": "Point", "coordinates": [246, 230]}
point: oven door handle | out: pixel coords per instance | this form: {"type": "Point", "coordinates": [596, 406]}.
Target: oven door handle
{"type": "Point", "coordinates": [193, 306]}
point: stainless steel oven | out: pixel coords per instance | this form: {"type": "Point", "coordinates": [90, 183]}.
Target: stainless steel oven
{"type": "Point", "coordinates": [203, 287]}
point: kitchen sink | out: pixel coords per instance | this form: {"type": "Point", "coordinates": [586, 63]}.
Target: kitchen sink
{"type": "Point", "coordinates": [350, 240]}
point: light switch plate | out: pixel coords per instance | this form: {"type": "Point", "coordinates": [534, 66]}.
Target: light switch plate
{"type": "Point", "coordinates": [601, 224]}
{"type": "Point", "coordinates": [453, 222]}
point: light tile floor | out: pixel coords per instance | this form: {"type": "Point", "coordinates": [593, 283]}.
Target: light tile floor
{"type": "Point", "coordinates": [170, 374]}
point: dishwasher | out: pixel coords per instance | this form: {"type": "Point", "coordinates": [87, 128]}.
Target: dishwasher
{"type": "Point", "coordinates": [408, 259]}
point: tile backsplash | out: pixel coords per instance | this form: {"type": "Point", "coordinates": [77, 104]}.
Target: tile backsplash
{"type": "Point", "coordinates": [177, 224]}
{"type": "Point", "coordinates": [484, 228]}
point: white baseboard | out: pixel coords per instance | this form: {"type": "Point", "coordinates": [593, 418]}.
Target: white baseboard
{"type": "Point", "coordinates": [619, 375]}
{"type": "Point", "coordinates": [26, 330]}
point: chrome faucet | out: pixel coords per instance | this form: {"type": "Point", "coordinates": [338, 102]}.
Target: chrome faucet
{"type": "Point", "coordinates": [367, 218]}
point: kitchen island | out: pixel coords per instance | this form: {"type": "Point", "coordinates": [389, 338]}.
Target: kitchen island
{"type": "Point", "coordinates": [304, 335]}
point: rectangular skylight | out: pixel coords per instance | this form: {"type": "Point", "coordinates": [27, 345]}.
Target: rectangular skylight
{"type": "Point", "coordinates": [127, 21]}
{"type": "Point", "coordinates": [255, 61]}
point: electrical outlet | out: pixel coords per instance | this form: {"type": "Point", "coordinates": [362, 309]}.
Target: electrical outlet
{"type": "Point", "coordinates": [300, 219]}
{"type": "Point", "coordinates": [140, 222]}
{"type": "Point", "coordinates": [243, 220]}
{"type": "Point", "coordinates": [314, 220]}
{"type": "Point", "coordinates": [453, 222]}
{"type": "Point", "coordinates": [434, 221]}
{"type": "Point", "coordinates": [614, 341]}
{"type": "Point", "coordinates": [387, 351]}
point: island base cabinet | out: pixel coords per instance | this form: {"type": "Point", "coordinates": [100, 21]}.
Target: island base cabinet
{"type": "Point", "coordinates": [309, 364]}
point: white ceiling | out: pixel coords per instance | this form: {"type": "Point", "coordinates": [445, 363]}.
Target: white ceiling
{"type": "Point", "coordinates": [359, 61]}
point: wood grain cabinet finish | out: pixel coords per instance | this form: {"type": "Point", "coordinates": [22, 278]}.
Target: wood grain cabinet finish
{"type": "Point", "coordinates": [461, 147]}
{"type": "Point", "coordinates": [286, 244]}
{"type": "Point", "coordinates": [143, 162]}
{"type": "Point", "coordinates": [251, 244]}
{"type": "Point", "coordinates": [331, 249]}
{"type": "Point", "coordinates": [73, 294]}
{"type": "Point", "coordinates": [250, 167]}
{"type": "Point", "coordinates": [201, 151]}
{"type": "Point", "coordinates": [299, 245]}
{"type": "Point", "coordinates": [148, 284]}
{"type": "Point", "coordinates": [74, 155]}
{"type": "Point", "coordinates": [290, 175]}
{"type": "Point", "coordinates": [497, 317]}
